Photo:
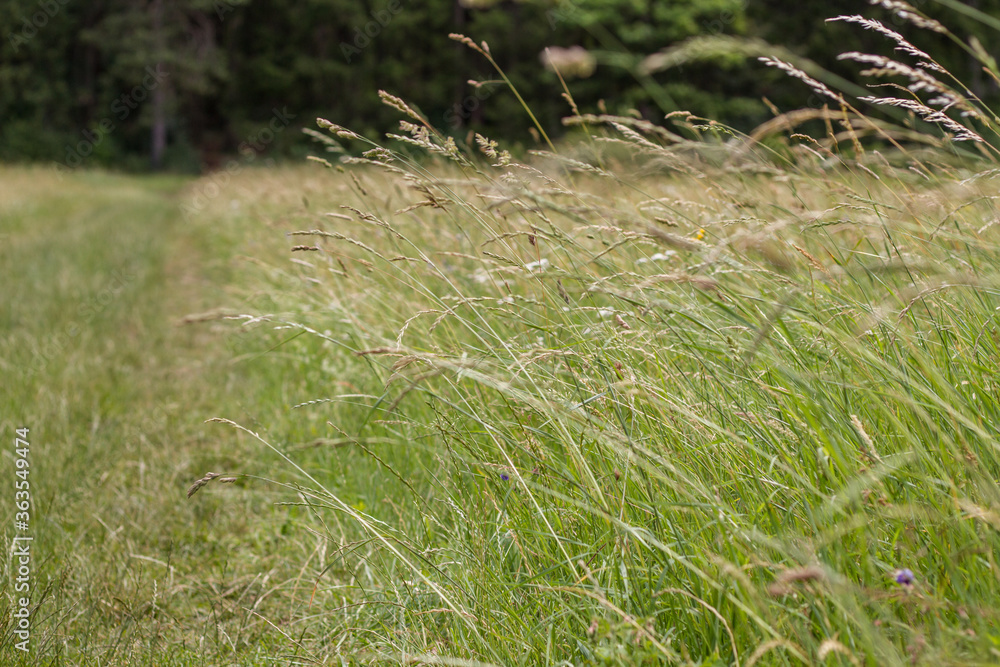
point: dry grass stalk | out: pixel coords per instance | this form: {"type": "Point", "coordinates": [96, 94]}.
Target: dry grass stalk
{"type": "Point", "coordinates": [812, 260]}
{"type": "Point", "coordinates": [867, 439]}
{"type": "Point", "coordinates": [794, 71]}
{"type": "Point", "coordinates": [907, 12]}
{"type": "Point", "coordinates": [783, 584]}
{"type": "Point", "coordinates": [209, 476]}
{"type": "Point", "coordinates": [902, 44]}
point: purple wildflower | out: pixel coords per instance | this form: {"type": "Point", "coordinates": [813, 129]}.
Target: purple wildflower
{"type": "Point", "coordinates": [905, 577]}
{"type": "Point", "coordinates": [504, 476]}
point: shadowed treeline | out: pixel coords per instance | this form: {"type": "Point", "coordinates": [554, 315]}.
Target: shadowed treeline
{"type": "Point", "coordinates": [185, 84]}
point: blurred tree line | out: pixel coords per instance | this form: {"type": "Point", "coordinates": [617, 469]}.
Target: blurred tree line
{"type": "Point", "coordinates": [182, 83]}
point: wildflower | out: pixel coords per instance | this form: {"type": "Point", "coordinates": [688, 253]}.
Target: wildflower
{"type": "Point", "coordinates": [504, 476]}
{"type": "Point", "coordinates": [904, 577]}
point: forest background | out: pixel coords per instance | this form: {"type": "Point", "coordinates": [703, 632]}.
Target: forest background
{"type": "Point", "coordinates": [183, 85]}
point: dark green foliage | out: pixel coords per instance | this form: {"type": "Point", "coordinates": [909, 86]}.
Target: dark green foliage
{"type": "Point", "coordinates": [67, 67]}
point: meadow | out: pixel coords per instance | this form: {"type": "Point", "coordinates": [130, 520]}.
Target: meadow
{"type": "Point", "coordinates": [654, 395]}
{"type": "Point", "coordinates": [682, 407]}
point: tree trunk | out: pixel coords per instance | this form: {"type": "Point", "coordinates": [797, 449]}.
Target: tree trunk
{"type": "Point", "coordinates": [158, 138]}
{"type": "Point", "coordinates": [458, 19]}
{"type": "Point", "coordinates": [159, 132]}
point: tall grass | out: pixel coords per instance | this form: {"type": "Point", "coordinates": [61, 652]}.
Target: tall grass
{"type": "Point", "coordinates": [665, 396]}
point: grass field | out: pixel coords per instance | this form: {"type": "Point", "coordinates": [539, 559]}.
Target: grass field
{"type": "Point", "coordinates": [625, 405]}
{"type": "Point", "coordinates": [98, 273]}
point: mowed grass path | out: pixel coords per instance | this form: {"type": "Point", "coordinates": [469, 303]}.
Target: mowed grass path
{"type": "Point", "coordinates": [97, 272]}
